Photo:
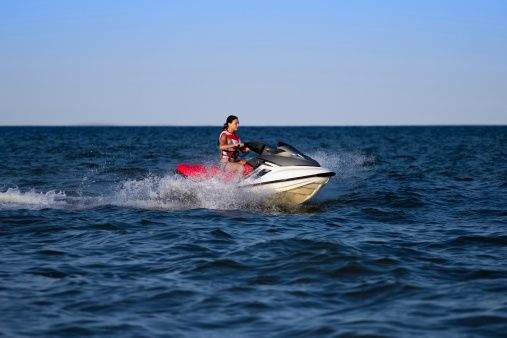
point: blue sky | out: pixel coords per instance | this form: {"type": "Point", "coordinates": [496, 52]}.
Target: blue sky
{"type": "Point", "coordinates": [270, 62]}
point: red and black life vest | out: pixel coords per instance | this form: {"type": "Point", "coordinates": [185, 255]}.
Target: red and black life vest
{"type": "Point", "coordinates": [230, 154]}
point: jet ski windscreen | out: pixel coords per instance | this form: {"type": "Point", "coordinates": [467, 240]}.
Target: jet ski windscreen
{"type": "Point", "coordinates": [289, 148]}
{"type": "Point", "coordinates": [255, 146]}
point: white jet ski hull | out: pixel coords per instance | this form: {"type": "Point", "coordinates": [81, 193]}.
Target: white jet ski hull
{"type": "Point", "coordinates": [289, 185]}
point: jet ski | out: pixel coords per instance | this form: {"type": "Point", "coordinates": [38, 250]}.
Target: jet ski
{"type": "Point", "coordinates": [285, 172]}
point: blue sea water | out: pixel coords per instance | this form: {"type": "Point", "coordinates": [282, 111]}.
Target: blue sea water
{"type": "Point", "coordinates": [98, 236]}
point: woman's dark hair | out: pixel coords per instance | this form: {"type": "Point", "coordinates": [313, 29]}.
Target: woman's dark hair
{"type": "Point", "coordinates": [229, 119]}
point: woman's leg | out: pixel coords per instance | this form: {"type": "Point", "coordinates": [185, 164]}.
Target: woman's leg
{"type": "Point", "coordinates": [236, 167]}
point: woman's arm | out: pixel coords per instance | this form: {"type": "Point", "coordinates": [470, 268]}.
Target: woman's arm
{"type": "Point", "coordinates": [224, 145]}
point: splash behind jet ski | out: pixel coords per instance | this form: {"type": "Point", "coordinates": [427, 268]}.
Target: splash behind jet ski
{"type": "Point", "coordinates": [290, 175]}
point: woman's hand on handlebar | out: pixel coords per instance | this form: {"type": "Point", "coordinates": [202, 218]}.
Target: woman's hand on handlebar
{"type": "Point", "coordinates": [243, 148]}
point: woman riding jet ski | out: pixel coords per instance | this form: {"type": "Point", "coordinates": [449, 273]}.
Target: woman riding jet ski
{"type": "Point", "coordinates": [289, 175]}
{"type": "Point", "coordinates": [230, 145]}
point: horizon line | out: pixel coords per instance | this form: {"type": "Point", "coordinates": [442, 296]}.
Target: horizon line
{"type": "Point", "coordinates": [256, 126]}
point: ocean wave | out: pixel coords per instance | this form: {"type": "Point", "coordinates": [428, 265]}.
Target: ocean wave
{"type": "Point", "coordinates": [343, 163]}
{"type": "Point", "coordinates": [14, 198]}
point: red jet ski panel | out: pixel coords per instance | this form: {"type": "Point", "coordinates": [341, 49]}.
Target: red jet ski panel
{"type": "Point", "coordinates": [203, 172]}
{"type": "Point", "coordinates": [198, 170]}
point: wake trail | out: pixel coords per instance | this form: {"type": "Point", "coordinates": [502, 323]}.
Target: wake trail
{"type": "Point", "coordinates": [173, 192]}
